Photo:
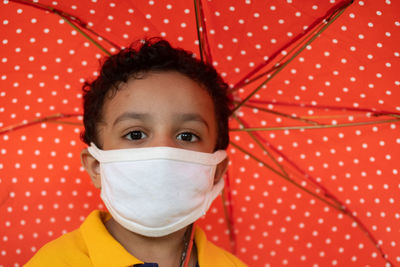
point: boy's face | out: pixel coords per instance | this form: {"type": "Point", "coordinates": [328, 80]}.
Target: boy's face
{"type": "Point", "coordinates": [162, 109]}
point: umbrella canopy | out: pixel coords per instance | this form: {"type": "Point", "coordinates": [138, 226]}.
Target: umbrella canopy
{"type": "Point", "coordinates": [313, 177]}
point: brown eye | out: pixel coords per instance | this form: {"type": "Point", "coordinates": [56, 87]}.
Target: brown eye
{"type": "Point", "coordinates": [188, 137]}
{"type": "Point", "coordinates": [136, 135]}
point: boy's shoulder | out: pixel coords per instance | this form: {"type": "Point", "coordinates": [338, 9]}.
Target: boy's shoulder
{"type": "Point", "coordinates": [209, 254]}
{"type": "Point", "coordinates": [90, 245]}
{"type": "Point", "coordinates": [68, 249]}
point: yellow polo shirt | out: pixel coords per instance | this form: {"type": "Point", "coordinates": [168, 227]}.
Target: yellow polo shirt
{"type": "Point", "coordinates": [93, 245]}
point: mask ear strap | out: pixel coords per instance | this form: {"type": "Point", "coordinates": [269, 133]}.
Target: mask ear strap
{"type": "Point", "coordinates": [215, 191]}
{"type": "Point", "coordinates": [95, 152]}
{"type": "Point", "coordinates": [219, 156]}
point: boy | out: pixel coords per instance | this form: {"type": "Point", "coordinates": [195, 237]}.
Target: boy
{"type": "Point", "coordinates": [156, 122]}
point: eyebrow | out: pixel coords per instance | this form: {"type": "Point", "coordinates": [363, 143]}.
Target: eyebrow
{"type": "Point", "coordinates": [131, 115]}
{"type": "Point", "coordinates": [184, 117]}
{"type": "Point", "coordinates": [192, 117]}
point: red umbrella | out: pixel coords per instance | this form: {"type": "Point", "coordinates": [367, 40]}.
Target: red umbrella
{"type": "Point", "coordinates": [322, 127]}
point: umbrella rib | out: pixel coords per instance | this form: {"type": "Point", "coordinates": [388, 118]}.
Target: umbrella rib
{"type": "Point", "coordinates": [85, 35]}
{"type": "Point", "coordinates": [330, 13]}
{"type": "Point", "coordinates": [262, 147]}
{"type": "Point", "coordinates": [339, 208]}
{"type": "Point", "coordinates": [204, 47]}
{"type": "Point", "coordinates": [303, 119]}
{"type": "Point", "coordinates": [257, 159]}
{"type": "Point", "coordinates": [259, 139]}
{"type": "Point", "coordinates": [49, 118]}
{"type": "Point", "coordinates": [228, 212]}
{"type": "Point", "coordinates": [65, 122]}
{"type": "Point", "coordinates": [275, 66]}
{"type": "Point", "coordinates": [198, 30]}
{"type": "Point", "coordinates": [343, 108]}
{"type": "Point", "coordinates": [313, 126]}
{"type": "Point", "coordinates": [281, 67]}
{"type": "Point", "coordinates": [307, 119]}
{"type": "Point", "coordinates": [70, 19]}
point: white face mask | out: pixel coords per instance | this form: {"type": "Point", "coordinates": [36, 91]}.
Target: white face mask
{"type": "Point", "coordinates": [156, 191]}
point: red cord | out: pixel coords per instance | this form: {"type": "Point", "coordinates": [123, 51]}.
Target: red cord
{"type": "Point", "coordinates": [189, 249]}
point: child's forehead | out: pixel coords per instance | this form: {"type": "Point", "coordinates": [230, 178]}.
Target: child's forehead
{"type": "Point", "coordinates": [160, 92]}
{"type": "Point", "coordinates": [167, 81]}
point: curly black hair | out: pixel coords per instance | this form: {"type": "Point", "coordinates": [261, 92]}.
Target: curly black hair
{"type": "Point", "coordinates": [152, 55]}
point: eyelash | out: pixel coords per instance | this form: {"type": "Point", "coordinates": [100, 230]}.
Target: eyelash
{"type": "Point", "coordinates": [129, 137]}
{"type": "Point", "coordinates": [143, 135]}
{"type": "Point", "coordinates": [192, 135]}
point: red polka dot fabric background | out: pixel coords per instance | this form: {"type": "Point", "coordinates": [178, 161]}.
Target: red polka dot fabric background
{"type": "Point", "coordinates": [315, 142]}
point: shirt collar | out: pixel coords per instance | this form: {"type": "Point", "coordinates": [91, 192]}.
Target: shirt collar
{"type": "Point", "coordinates": [207, 253]}
{"type": "Point", "coordinates": [103, 249]}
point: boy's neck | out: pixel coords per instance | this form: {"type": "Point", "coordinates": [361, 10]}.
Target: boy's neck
{"type": "Point", "coordinates": [166, 250]}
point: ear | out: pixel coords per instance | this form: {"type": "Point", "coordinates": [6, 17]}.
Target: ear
{"type": "Point", "coordinates": [221, 169]}
{"type": "Point", "coordinates": [92, 167]}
